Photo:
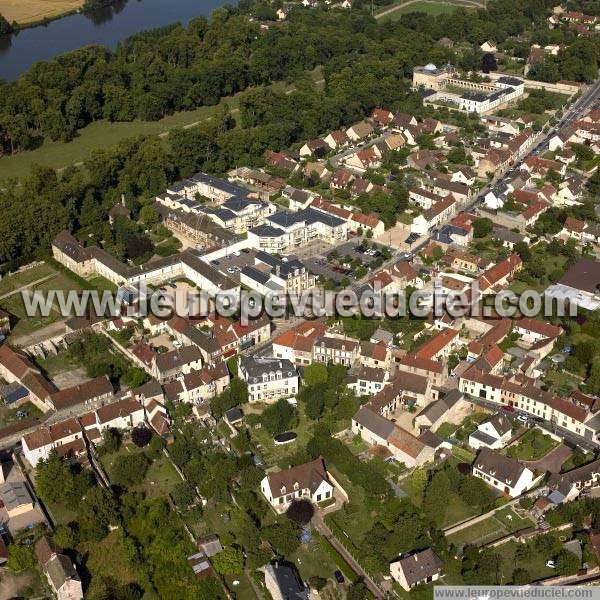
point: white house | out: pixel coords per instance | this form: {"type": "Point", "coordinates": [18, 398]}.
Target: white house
{"type": "Point", "coordinates": [493, 433]}
{"type": "Point", "coordinates": [503, 473]}
{"type": "Point", "coordinates": [307, 481]}
{"type": "Point", "coordinates": [269, 379]}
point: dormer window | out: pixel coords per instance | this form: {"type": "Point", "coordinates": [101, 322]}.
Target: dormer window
{"type": "Point", "coordinates": [296, 486]}
{"type": "Point", "coordinates": [283, 489]}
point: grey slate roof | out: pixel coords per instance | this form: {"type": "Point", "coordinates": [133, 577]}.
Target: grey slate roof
{"type": "Point", "coordinates": [256, 368]}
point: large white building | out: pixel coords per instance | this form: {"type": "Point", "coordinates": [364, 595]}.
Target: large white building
{"type": "Point", "coordinates": [269, 379]}
{"type": "Point", "coordinates": [285, 231]}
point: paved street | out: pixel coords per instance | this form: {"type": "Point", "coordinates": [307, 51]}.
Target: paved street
{"type": "Point", "coordinates": [324, 530]}
{"type": "Point", "coordinates": [553, 461]}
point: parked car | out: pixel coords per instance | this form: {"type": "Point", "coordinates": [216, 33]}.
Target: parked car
{"type": "Point", "coordinates": [339, 577]}
{"type": "Point", "coordinates": [508, 409]}
{"type": "Point", "coordinates": [551, 564]}
{"type": "Point", "coordinates": [522, 418]}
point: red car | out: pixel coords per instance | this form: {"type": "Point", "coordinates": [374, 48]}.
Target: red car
{"type": "Point", "coordinates": [508, 408]}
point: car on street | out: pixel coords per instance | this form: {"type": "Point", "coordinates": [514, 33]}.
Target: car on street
{"type": "Point", "coordinates": [339, 577]}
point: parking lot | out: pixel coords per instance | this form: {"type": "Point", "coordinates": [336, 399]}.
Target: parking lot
{"type": "Point", "coordinates": [337, 271]}
{"type": "Point", "coordinates": [232, 264]}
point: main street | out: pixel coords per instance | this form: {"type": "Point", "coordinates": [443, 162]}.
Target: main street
{"type": "Point", "coordinates": [573, 113]}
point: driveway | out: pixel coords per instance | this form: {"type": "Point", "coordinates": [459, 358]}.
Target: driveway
{"type": "Point", "coordinates": [553, 461]}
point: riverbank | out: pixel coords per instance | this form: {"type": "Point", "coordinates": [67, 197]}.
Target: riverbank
{"type": "Point", "coordinates": [31, 13]}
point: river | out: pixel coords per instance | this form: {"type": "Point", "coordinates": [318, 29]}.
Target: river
{"type": "Point", "coordinates": [106, 27]}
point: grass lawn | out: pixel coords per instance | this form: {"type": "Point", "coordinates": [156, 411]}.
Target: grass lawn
{"type": "Point", "coordinates": [101, 283]}
{"type": "Point", "coordinates": [57, 364]}
{"type": "Point", "coordinates": [13, 282]}
{"type": "Point", "coordinates": [445, 430]}
{"type": "Point", "coordinates": [278, 454]}
{"type": "Point", "coordinates": [561, 383]}
{"type": "Point", "coordinates": [480, 533]}
{"type": "Point", "coordinates": [9, 415]}
{"type": "Point", "coordinates": [105, 135]}
{"type": "Point", "coordinates": [62, 514]}
{"type": "Point", "coordinates": [532, 446]}
{"type": "Point", "coordinates": [536, 565]}
{"type": "Point", "coordinates": [312, 559]}
{"type": "Point", "coordinates": [243, 590]}
{"type": "Point", "coordinates": [160, 478]}
{"type": "Point", "coordinates": [490, 529]}
{"type": "Point", "coordinates": [425, 6]}
{"type": "Point", "coordinates": [457, 510]}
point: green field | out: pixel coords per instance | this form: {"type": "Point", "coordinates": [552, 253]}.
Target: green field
{"type": "Point", "coordinates": [532, 446]}
{"type": "Point", "coordinates": [104, 135]}
{"type": "Point", "coordinates": [430, 7]}
{"type": "Point", "coordinates": [490, 529]}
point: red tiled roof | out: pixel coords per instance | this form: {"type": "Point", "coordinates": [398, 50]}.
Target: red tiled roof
{"type": "Point", "coordinates": [437, 343]}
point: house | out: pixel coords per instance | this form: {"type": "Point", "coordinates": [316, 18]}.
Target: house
{"type": "Point", "coordinates": [124, 415]}
{"type": "Point", "coordinates": [496, 160]}
{"type": "Point", "coordinates": [382, 117]}
{"type": "Point", "coordinates": [433, 370]}
{"type": "Point", "coordinates": [509, 238]}
{"type": "Point", "coordinates": [296, 344]}
{"type": "Point", "coordinates": [337, 139]}
{"type": "Point", "coordinates": [404, 275]}
{"type": "Point", "coordinates": [503, 473]}
{"type": "Point", "coordinates": [359, 131]}
{"type": "Point", "coordinates": [439, 346]}
{"type": "Point", "coordinates": [317, 147]}
{"type": "Point", "coordinates": [448, 409]}
{"type": "Point", "coordinates": [580, 285]}
{"type": "Point", "coordinates": [16, 498]}
{"type": "Point", "coordinates": [339, 351]}
{"type": "Point", "coordinates": [364, 159]}
{"type": "Point", "coordinates": [59, 570]}
{"type": "Point", "coordinates": [169, 365]}
{"type": "Point", "coordinates": [306, 481]}
{"type": "Point", "coordinates": [269, 379]}
{"type": "Point", "coordinates": [440, 212]}
{"type": "Point", "coordinates": [368, 381]}
{"type": "Point", "coordinates": [119, 210]}
{"type": "Point", "coordinates": [64, 437]}
{"type": "Point", "coordinates": [341, 179]}
{"type": "Point", "coordinates": [533, 330]}
{"type": "Point", "coordinates": [422, 566]}
{"type": "Point", "coordinates": [423, 198]}
{"type": "Point", "coordinates": [489, 46]}
{"type": "Point", "coordinates": [284, 583]}
{"type": "Point", "coordinates": [96, 390]}
{"type": "Point", "coordinates": [498, 276]}
{"type": "Point", "coordinates": [493, 433]}
{"type": "Point", "coordinates": [281, 160]}
{"type": "Point", "coordinates": [571, 483]}
{"type": "Point", "coordinates": [366, 223]}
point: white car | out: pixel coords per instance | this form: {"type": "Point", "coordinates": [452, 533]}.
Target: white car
{"type": "Point", "coordinates": [522, 418]}
{"type": "Point", "coordinates": [551, 564]}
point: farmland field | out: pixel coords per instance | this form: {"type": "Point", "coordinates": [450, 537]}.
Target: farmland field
{"type": "Point", "coordinates": [31, 11]}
